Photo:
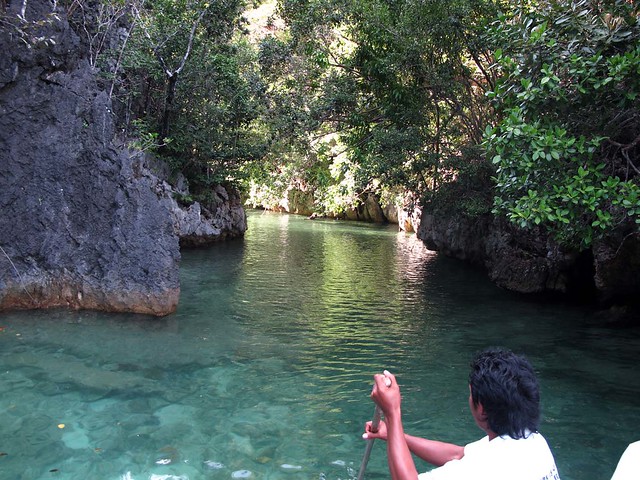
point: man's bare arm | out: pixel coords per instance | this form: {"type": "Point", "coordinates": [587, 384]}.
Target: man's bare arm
{"type": "Point", "coordinates": [432, 451]}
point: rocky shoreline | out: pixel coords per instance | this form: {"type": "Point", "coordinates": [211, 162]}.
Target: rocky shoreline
{"type": "Point", "coordinates": [85, 223]}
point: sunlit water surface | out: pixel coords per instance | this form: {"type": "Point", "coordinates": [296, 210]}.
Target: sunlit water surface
{"type": "Point", "coordinates": [264, 372]}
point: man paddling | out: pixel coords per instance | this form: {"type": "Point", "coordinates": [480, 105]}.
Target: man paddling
{"type": "Point", "coordinates": [504, 400]}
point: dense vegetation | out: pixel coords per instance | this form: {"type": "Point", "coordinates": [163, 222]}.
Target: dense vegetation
{"type": "Point", "coordinates": [565, 144]}
{"type": "Point", "coordinates": [528, 110]}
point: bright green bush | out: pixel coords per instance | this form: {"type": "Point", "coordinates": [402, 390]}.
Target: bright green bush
{"type": "Point", "coordinates": [565, 147]}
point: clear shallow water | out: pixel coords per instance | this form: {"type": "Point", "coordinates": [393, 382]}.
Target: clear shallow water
{"type": "Point", "coordinates": [265, 370]}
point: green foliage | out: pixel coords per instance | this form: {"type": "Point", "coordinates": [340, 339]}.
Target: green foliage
{"type": "Point", "coordinates": [565, 147]}
{"type": "Point", "coordinates": [359, 96]}
{"type": "Point", "coordinates": [409, 71]}
{"type": "Point", "coordinates": [469, 190]}
{"type": "Point", "coordinates": [191, 90]}
{"type": "Point", "coordinates": [381, 94]}
{"type": "Point", "coordinates": [218, 104]}
{"type": "Point", "coordinates": [144, 139]}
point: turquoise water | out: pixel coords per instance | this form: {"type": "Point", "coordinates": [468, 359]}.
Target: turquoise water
{"type": "Point", "coordinates": [264, 372]}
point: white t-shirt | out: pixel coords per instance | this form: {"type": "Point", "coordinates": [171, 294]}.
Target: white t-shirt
{"type": "Point", "coordinates": [629, 464]}
{"type": "Point", "coordinates": [502, 458]}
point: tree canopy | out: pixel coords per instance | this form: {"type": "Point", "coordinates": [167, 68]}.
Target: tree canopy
{"type": "Point", "coordinates": [528, 110]}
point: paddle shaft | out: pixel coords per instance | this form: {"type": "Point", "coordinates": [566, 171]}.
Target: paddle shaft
{"type": "Point", "coordinates": [377, 413]}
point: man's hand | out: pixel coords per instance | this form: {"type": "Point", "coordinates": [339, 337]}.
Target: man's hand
{"type": "Point", "coordinates": [381, 433]}
{"type": "Point", "coordinates": [386, 394]}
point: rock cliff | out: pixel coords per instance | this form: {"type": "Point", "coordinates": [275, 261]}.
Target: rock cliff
{"type": "Point", "coordinates": [84, 224]}
{"type": "Point", "coordinates": [224, 218]}
{"type": "Point", "coordinates": [530, 262]}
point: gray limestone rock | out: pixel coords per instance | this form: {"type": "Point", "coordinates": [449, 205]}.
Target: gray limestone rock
{"type": "Point", "coordinates": [530, 262]}
{"type": "Point", "coordinates": [225, 218]}
{"type": "Point", "coordinates": [83, 225]}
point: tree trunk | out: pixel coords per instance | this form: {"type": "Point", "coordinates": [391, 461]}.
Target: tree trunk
{"type": "Point", "coordinates": [168, 106]}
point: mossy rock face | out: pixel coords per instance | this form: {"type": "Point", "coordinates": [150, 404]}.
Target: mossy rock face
{"type": "Point", "coordinates": [617, 267]}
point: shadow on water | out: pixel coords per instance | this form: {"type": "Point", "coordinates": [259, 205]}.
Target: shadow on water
{"type": "Point", "coordinates": [265, 369]}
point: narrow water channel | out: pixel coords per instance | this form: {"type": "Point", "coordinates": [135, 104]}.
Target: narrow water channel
{"type": "Point", "coordinates": [264, 372]}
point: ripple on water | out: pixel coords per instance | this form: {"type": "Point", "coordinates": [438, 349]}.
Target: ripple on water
{"type": "Point", "coordinates": [154, 476]}
{"type": "Point", "coordinates": [266, 366]}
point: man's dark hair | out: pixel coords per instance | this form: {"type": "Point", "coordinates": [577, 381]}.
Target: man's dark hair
{"type": "Point", "coordinates": [506, 386]}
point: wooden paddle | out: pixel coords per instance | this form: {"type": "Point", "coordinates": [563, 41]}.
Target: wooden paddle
{"type": "Point", "coordinates": [375, 422]}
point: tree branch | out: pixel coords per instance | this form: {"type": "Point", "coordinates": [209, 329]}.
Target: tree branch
{"type": "Point", "coordinates": [189, 45]}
